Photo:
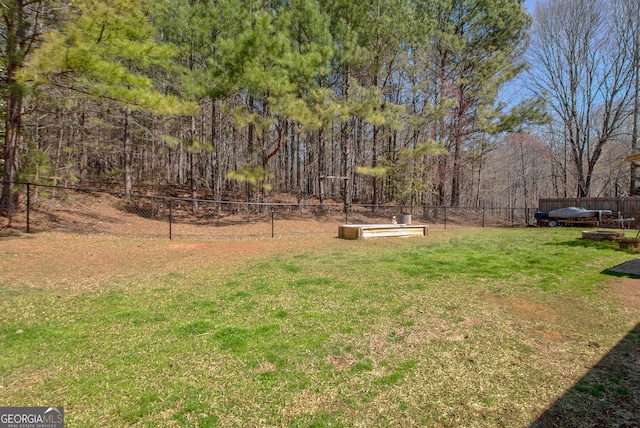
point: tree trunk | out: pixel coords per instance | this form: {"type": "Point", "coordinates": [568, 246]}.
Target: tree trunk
{"type": "Point", "coordinates": [217, 173]}
{"type": "Point", "coordinates": [20, 35]}
{"type": "Point", "coordinates": [635, 166]}
{"type": "Point", "coordinates": [192, 166]}
{"type": "Point", "coordinates": [56, 164]}
{"type": "Point", "coordinates": [321, 165]}
{"type": "Point", "coordinates": [374, 163]}
{"type": "Point", "coordinates": [13, 125]}
{"type": "Point", "coordinates": [455, 176]}
{"type": "Point", "coordinates": [293, 183]}
{"type": "Point", "coordinates": [127, 155]}
{"type": "Point", "coordinates": [14, 20]}
{"type": "Point", "coordinates": [523, 172]}
{"type": "Point", "coordinates": [296, 138]}
{"type": "Point", "coordinates": [84, 156]}
{"type": "Point", "coordinates": [345, 147]}
{"type": "Point", "coordinates": [345, 144]}
{"type": "Point", "coordinates": [11, 153]}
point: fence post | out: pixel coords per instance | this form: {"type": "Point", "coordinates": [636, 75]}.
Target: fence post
{"type": "Point", "coordinates": [482, 216]}
{"type": "Point", "coordinates": [10, 204]}
{"type": "Point", "coordinates": [28, 206]}
{"type": "Point", "coordinates": [170, 218]}
{"type": "Point", "coordinates": [273, 212]}
{"type": "Point", "coordinates": [445, 216]}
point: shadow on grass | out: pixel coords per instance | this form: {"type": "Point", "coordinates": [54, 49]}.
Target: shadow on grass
{"type": "Point", "coordinates": [629, 269]}
{"type": "Point", "coordinates": [620, 274]}
{"type": "Point", "coordinates": [586, 243]}
{"type": "Point", "coordinates": [607, 396]}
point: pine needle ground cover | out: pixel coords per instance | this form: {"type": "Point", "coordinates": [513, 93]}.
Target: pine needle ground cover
{"type": "Point", "coordinates": [486, 327]}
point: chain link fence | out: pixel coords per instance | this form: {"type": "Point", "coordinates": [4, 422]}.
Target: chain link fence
{"type": "Point", "coordinates": [37, 208]}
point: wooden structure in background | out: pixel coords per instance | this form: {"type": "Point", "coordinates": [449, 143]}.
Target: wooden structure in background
{"type": "Point", "coordinates": [623, 207]}
{"type": "Point", "coordinates": [364, 231]}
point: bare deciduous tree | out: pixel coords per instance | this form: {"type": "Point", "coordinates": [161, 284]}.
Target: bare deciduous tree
{"type": "Point", "coordinates": [627, 19]}
{"type": "Point", "coordinates": [581, 66]}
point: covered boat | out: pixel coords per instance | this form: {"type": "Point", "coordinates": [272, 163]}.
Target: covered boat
{"type": "Point", "coordinates": [575, 212]}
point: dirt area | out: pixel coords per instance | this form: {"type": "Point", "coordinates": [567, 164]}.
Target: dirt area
{"type": "Point", "coordinates": [626, 291]}
{"type": "Point", "coordinates": [89, 260]}
{"type": "Point", "coordinates": [56, 260]}
{"type": "Point", "coordinates": [99, 213]}
{"type": "Point", "coordinates": [100, 236]}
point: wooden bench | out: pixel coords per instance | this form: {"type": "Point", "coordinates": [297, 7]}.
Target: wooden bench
{"type": "Point", "coordinates": [364, 231]}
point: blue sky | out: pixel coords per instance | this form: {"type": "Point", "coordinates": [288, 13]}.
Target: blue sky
{"type": "Point", "coordinates": [529, 4]}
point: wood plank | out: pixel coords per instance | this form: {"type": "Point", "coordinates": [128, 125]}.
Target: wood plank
{"type": "Point", "coordinates": [363, 231]}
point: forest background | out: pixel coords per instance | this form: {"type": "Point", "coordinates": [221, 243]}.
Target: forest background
{"type": "Point", "coordinates": [472, 103]}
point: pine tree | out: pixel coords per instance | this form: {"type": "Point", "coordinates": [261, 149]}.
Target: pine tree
{"type": "Point", "coordinates": [273, 61]}
{"type": "Point", "coordinates": [20, 28]}
{"type": "Point", "coordinates": [474, 49]}
{"type": "Point", "coordinates": [108, 50]}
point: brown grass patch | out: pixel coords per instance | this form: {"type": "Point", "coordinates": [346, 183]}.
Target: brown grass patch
{"type": "Point", "coordinates": [528, 310]}
{"type": "Point", "coordinates": [309, 402]}
{"type": "Point", "coordinates": [265, 367]}
{"type": "Point", "coordinates": [547, 335]}
{"type": "Point", "coordinates": [341, 362]}
{"type": "Point", "coordinates": [626, 291]}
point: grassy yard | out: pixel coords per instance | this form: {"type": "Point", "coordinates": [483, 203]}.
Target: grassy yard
{"type": "Point", "coordinates": [477, 327]}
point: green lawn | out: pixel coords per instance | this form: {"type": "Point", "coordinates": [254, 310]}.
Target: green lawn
{"type": "Point", "coordinates": [484, 327]}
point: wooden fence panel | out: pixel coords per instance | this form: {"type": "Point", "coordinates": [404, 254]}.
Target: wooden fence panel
{"type": "Point", "coordinates": [620, 207]}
